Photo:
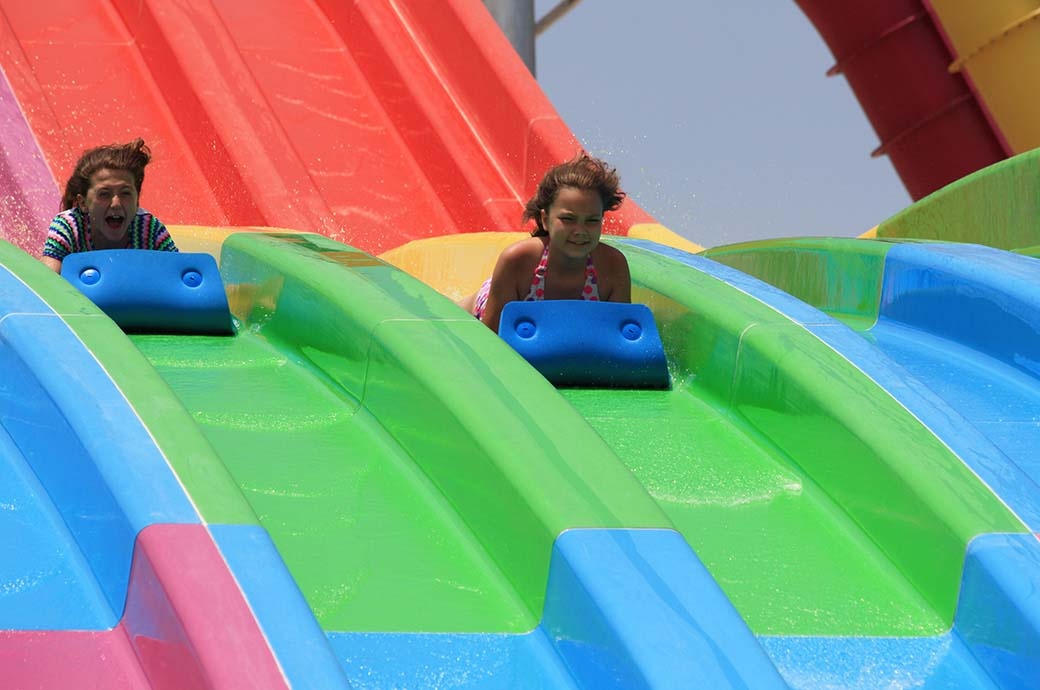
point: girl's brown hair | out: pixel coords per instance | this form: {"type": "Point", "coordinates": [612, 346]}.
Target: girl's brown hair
{"type": "Point", "coordinates": [131, 157]}
{"type": "Point", "coordinates": [581, 172]}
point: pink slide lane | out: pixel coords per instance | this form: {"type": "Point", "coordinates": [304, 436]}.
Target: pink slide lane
{"type": "Point", "coordinates": [186, 625]}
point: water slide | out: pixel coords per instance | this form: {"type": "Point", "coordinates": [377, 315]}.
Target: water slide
{"type": "Point", "coordinates": [363, 487]}
{"type": "Point", "coordinates": [942, 82]}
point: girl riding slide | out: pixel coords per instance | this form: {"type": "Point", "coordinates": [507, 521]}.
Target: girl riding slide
{"type": "Point", "coordinates": [99, 209]}
{"type": "Point", "coordinates": [563, 258]}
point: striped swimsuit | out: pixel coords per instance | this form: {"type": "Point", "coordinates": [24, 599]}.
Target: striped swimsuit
{"type": "Point", "coordinates": [589, 291]}
{"type": "Point", "coordinates": [69, 233]}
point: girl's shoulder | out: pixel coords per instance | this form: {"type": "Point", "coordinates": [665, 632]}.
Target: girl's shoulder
{"type": "Point", "coordinates": [70, 214]}
{"type": "Point", "coordinates": [71, 219]}
{"type": "Point", "coordinates": [516, 264]}
{"type": "Point", "coordinates": [145, 216]}
{"type": "Point", "coordinates": [527, 249]}
{"type": "Point", "coordinates": [608, 256]}
{"type": "Point", "coordinates": [615, 279]}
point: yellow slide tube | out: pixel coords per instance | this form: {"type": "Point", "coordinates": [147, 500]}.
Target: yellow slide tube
{"type": "Point", "coordinates": [996, 45]}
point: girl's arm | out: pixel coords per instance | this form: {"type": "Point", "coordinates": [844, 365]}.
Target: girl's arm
{"type": "Point", "coordinates": [59, 241]}
{"type": "Point", "coordinates": [513, 263]}
{"type": "Point", "coordinates": [618, 279]}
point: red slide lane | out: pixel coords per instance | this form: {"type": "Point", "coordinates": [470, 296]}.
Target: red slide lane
{"type": "Point", "coordinates": [374, 122]}
{"type": "Point", "coordinates": [930, 125]}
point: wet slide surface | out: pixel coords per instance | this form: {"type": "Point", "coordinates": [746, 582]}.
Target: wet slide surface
{"type": "Point", "coordinates": [109, 578]}
{"type": "Point", "coordinates": [372, 545]}
{"type": "Point", "coordinates": [791, 560]}
{"type": "Point", "coordinates": [755, 399]}
{"type": "Point", "coordinates": [802, 500]}
{"type": "Point", "coordinates": [957, 322]}
{"type": "Point", "coordinates": [957, 657]}
{"type": "Point", "coordinates": [786, 468]}
{"type": "Point", "coordinates": [51, 569]}
{"type": "Point", "coordinates": [410, 522]}
{"type": "Point", "coordinates": [370, 122]}
{"type": "Point", "coordinates": [439, 526]}
{"type": "Point", "coordinates": [1001, 401]}
{"type": "Point", "coordinates": [950, 332]}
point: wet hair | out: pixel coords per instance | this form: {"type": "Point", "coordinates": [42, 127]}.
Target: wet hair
{"type": "Point", "coordinates": [581, 172]}
{"type": "Point", "coordinates": [131, 157]}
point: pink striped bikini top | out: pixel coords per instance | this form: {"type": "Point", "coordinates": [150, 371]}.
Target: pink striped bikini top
{"type": "Point", "coordinates": [589, 293]}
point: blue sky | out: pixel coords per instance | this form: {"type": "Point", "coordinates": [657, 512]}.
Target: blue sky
{"type": "Point", "coordinates": [719, 117]}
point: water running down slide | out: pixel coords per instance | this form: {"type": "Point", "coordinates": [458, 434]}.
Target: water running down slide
{"type": "Point", "coordinates": [419, 519]}
{"type": "Point", "coordinates": [957, 321]}
{"type": "Point", "coordinates": [312, 501]}
{"type": "Point", "coordinates": [109, 576]}
{"type": "Point", "coordinates": [960, 320]}
{"type": "Point", "coordinates": [782, 459]}
{"type": "Point", "coordinates": [370, 122]}
{"type": "Point", "coordinates": [408, 521]}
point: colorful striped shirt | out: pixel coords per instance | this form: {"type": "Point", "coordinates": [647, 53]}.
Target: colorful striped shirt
{"type": "Point", "coordinates": [70, 233]}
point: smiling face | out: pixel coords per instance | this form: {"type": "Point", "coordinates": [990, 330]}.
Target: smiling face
{"type": "Point", "coordinates": [110, 203]}
{"type": "Point", "coordinates": [574, 222]}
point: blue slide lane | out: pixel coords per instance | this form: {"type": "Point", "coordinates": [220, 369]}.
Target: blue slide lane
{"type": "Point", "coordinates": [79, 474]}
{"type": "Point", "coordinates": [965, 321]}
{"type": "Point", "coordinates": [899, 369]}
{"type": "Point", "coordinates": [624, 609]}
{"type": "Point", "coordinates": [49, 571]}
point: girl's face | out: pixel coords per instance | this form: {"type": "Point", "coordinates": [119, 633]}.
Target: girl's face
{"type": "Point", "coordinates": [574, 222]}
{"type": "Point", "coordinates": [110, 203]}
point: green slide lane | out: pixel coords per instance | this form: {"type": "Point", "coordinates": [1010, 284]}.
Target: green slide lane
{"type": "Point", "coordinates": [411, 469]}
{"type": "Point", "coordinates": [840, 276]}
{"type": "Point", "coordinates": [353, 517]}
{"type": "Point", "coordinates": [820, 505]}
